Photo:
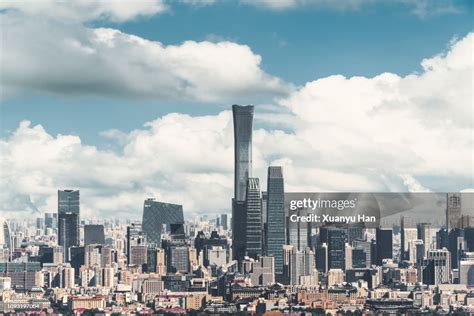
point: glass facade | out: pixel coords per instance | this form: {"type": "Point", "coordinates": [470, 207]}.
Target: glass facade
{"type": "Point", "coordinates": [336, 241]}
{"type": "Point", "coordinates": [275, 217]}
{"type": "Point", "coordinates": [156, 214]}
{"type": "Point", "coordinates": [68, 201]}
{"type": "Point", "coordinates": [242, 118]}
{"type": "Point", "coordinates": [68, 218]}
{"type": "Point", "coordinates": [254, 219]}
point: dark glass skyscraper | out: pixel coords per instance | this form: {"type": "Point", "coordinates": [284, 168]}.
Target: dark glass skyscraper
{"type": "Point", "coordinates": [275, 217]}
{"type": "Point", "coordinates": [156, 214]}
{"type": "Point", "coordinates": [243, 118]}
{"type": "Point", "coordinates": [337, 239]}
{"type": "Point", "coordinates": [68, 218]}
{"type": "Point", "coordinates": [384, 245]}
{"type": "Point", "coordinates": [254, 219]}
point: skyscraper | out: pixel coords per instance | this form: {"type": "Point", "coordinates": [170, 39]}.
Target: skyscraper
{"type": "Point", "coordinates": [275, 217]}
{"type": "Point", "coordinates": [253, 205]}
{"type": "Point", "coordinates": [453, 210]}
{"type": "Point", "coordinates": [156, 214]}
{"type": "Point", "coordinates": [384, 245]}
{"type": "Point", "coordinates": [425, 233]}
{"type": "Point", "coordinates": [68, 201]}
{"type": "Point", "coordinates": [135, 237]}
{"type": "Point", "coordinates": [336, 238]}
{"type": "Point", "coordinates": [242, 117]}
{"type": "Point", "coordinates": [408, 233]}
{"type": "Point", "coordinates": [437, 267]}
{"type": "Point", "coordinates": [224, 221]}
{"type": "Point", "coordinates": [68, 218]}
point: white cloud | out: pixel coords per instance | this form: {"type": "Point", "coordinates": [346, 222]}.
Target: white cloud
{"type": "Point", "coordinates": [86, 10]}
{"type": "Point", "coordinates": [341, 134]}
{"type": "Point", "coordinates": [69, 59]}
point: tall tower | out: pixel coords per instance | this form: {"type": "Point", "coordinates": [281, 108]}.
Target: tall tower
{"type": "Point", "coordinates": [275, 217]}
{"type": "Point", "coordinates": [453, 210]}
{"type": "Point", "coordinates": [253, 205]}
{"type": "Point", "coordinates": [68, 219]}
{"type": "Point", "coordinates": [243, 117]}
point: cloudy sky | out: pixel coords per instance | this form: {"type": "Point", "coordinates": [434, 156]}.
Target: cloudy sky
{"type": "Point", "coordinates": [126, 100]}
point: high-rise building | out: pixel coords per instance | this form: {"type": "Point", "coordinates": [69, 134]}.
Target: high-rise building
{"type": "Point", "coordinates": [68, 230]}
{"type": "Point", "coordinates": [437, 267]}
{"type": "Point", "coordinates": [58, 255]}
{"type": "Point", "coordinates": [224, 221]}
{"type": "Point", "coordinates": [456, 245]}
{"type": "Point", "coordinates": [68, 277]}
{"type": "Point", "coordinates": [108, 276]}
{"type": "Point", "coordinates": [348, 256]}
{"type": "Point", "coordinates": [135, 237]}
{"type": "Point", "coordinates": [156, 214]}
{"type": "Point", "coordinates": [425, 233]}
{"type": "Point", "coordinates": [94, 234]}
{"type": "Point", "coordinates": [68, 218]}
{"type": "Point", "coordinates": [275, 235]}
{"type": "Point", "coordinates": [253, 205]}
{"type": "Point", "coordinates": [68, 201]}
{"type": "Point", "coordinates": [408, 232]}
{"type": "Point", "coordinates": [359, 258]}
{"type": "Point", "coordinates": [51, 220]}
{"type": "Point", "coordinates": [138, 256]}
{"type": "Point", "coordinates": [384, 245]}
{"type": "Point", "coordinates": [322, 258]}
{"type": "Point", "coordinates": [242, 117]}
{"type": "Point", "coordinates": [366, 247]}
{"type": "Point", "coordinates": [336, 238]}
{"type": "Point", "coordinates": [5, 237]}
{"type": "Point", "coordinates": [177, 256]}
{"type": "Point", "coordinates": [453, 210]}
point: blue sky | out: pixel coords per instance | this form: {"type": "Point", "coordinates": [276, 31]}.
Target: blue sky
{"type": "Point", "coordinates": [130, 100]}
{"type": "Point", "coordinates": [298, 45]}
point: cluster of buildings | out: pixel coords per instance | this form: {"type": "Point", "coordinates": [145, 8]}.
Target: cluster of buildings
{"type": "Point", "coordinates": [256, 261]}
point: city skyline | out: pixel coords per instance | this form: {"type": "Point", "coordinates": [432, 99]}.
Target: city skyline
{"type": "Point", "coordinates": [356, 88]}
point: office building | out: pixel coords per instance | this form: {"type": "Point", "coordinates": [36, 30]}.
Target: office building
{"type": "Point", "coordinates": [68, 218]}
{"type": "Point", "coordinates": [135, 237]}
{"type": "Point", "coordinates": [275, 233]}
{"type": "Point", "coordinates": [253, 205]}
{"type": "Point", "coordinates": [322, 258]}
{"type": "Point", "coordinates": [242, 119]}
{"type": "Point", "coordinates": [224, 222]}
{"type": "Point", "coordinates": [425, 234]}
{"type": "Point", "coordinates": [437, 267]}
{"type": "Point", "coordinates": [94, 234]}
{"type": "Point", "coordinates": [453, 210]}
{"type": "Point", "coordinates": [336, 238]}
{"type": "Point", "coordinates": [384, 245]}
{"type": "Point", "coordinates": [156, 214]}
{"type": "Point", "coordinates": [365, 246]}
{"type": "Point", "coordinates": [408, 232]}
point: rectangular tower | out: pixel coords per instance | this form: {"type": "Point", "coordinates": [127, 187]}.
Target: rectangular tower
{"type": "Point", "coordinates": [68, 218]}
{"type": "Point", "coordinates": [253, 205]}
{"type": "Point", "coordinates": [275, 217]}
{"type": "Point", "coordinates": [453, 210]}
